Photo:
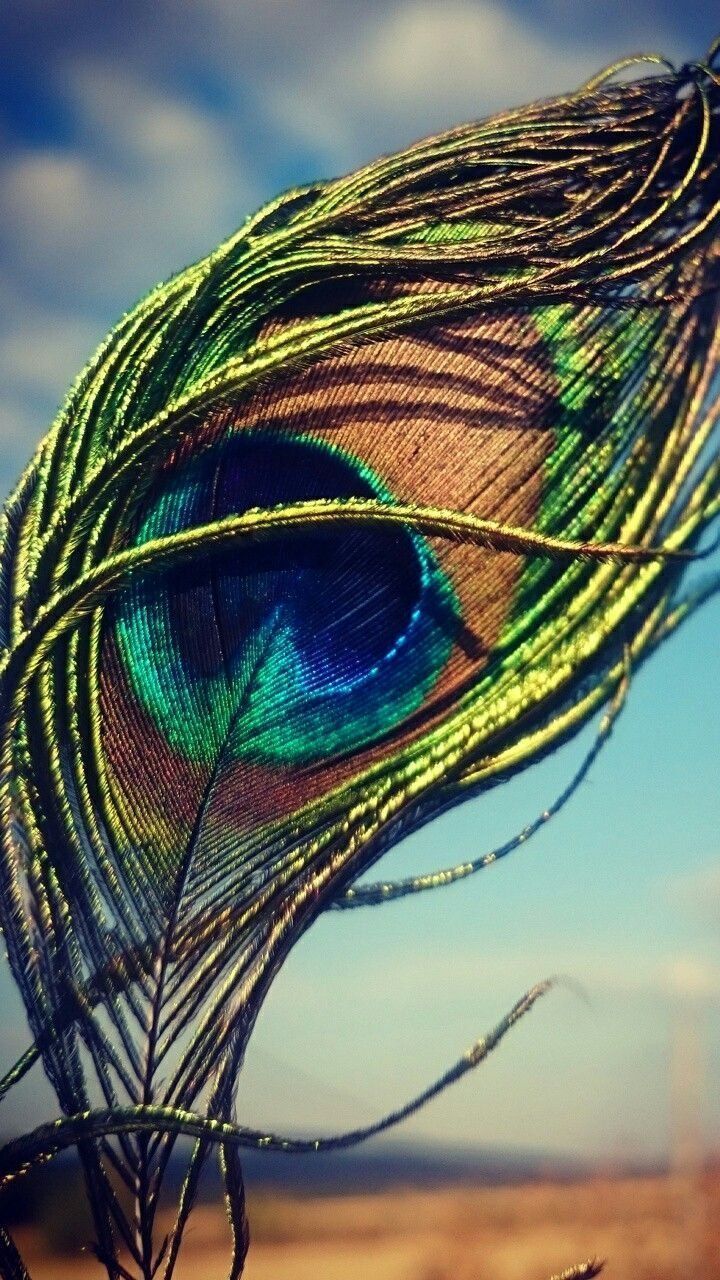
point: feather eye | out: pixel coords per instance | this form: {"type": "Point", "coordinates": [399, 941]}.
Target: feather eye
{"type": "Point", "coordinates": [324, 647]}
{"type": "Point", "coordinates": [376, 504]}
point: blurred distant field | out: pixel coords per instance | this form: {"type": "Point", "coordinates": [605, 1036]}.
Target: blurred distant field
{"type": "Point", "coordinates": [650, 1228]}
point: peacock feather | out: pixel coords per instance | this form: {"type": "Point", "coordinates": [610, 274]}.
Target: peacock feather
{"type": "Point", "coordinates": [367, 510]}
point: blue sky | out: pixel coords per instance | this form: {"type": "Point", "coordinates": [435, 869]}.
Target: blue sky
{"type": "Point", "coordinates": [134, 137]}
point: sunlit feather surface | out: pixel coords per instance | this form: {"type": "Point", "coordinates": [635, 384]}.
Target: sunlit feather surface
{"type": "Point", "coordinates": [376, 504]}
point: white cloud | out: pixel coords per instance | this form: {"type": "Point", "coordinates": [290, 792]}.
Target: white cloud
{"type": "Point", "coordinates": [151, 185]}
{"type": "Point", "coordinates": [134, 120]}
{"type": "Point", "coordinates": [419, 67]}
{"type": "Point", "coordinates": [691, 978]}
{"type": "Point", "coordinates": [697, 893]}
{"type": "Point", "coordinates": [460, 54]}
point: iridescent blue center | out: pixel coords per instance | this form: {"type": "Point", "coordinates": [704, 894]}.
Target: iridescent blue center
{"type": "Point", "coordinates": [293, 648]}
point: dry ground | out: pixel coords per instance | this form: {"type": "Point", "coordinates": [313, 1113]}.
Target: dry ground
{"type": "Point", "coordinates": [647, 1228]}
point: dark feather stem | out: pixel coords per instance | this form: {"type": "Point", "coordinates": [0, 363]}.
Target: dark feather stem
{"type": "Point", "coordinates": [145, 1201]}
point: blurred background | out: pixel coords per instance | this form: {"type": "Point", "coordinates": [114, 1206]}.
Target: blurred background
{"type": "Point", "coordinates": [134, 137]}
